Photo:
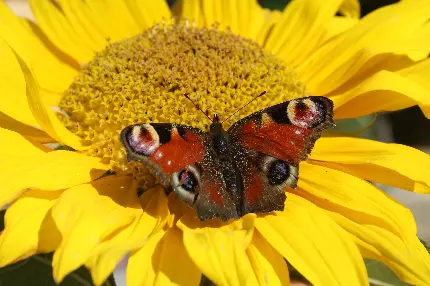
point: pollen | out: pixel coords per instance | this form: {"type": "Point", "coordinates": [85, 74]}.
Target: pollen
{"type": "Point", "coordinates": [147, 78]}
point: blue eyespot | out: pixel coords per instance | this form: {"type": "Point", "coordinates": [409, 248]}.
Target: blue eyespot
{"type": "Point", "coordinates": [187, 180]}
{"type": "Point", "coordinates": [278, 172]}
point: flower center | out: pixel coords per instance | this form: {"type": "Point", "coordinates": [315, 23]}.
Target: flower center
{"type": "Point", "coordinates": [144, 79]}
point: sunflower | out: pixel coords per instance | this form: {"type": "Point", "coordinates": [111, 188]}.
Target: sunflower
{"type": "Point", "coordinates": [71, 80]}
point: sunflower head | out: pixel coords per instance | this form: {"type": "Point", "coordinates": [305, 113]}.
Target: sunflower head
{"type": "Point", "coordinates": [59, 200]}
{"type": "Point", "coordinates": [146, 78]}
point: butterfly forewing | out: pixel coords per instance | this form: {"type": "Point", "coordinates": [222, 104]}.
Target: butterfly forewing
{"type": "Point", "coordinates": [165, 148]}
{"type": "Point", "coordinates": [287, 130]}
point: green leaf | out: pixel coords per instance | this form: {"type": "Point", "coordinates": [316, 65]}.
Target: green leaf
{"type": "Point", "coordinates": [2, 213]}
{"type": "Point", "coordinates": [381, 275]}
{"type": "Point", "coordinates": [64, 147]}
{"type": "Point", "coordinates": [37, 270]}
{"type": "Point", "coordinates": [274, 4]}
{"type": "Point", "coordinates": [425, 245]}
{"type": "Point", "coordinates": [361, 127]}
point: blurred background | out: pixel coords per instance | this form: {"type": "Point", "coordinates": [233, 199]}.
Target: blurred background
{"type": "Point", "coordinates": [408, 127]}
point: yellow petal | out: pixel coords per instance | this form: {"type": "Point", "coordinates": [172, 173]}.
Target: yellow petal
{"type": "Point", "coordinates": [16, 113]}
{"type": "Point", "coordinates": [148, 13]}
{"type": "Point", "coordinates": [316, 246]}
{"type": "Point", "coordinates": [83, 23]}
{"type": "Point", "coordinates": [122, 16]}
{"type": "Point", "coordinates": [375, 161]}
{"type": "Point", "coordinates": [244, 17]}
{"type": "Point", "coordinates": [177, 208]}
{"type": "Point", "coordinates": [383, 91]}
{"type": "Point", "coordinates": [84, 219]}
{"type": "Point", "coordinates": [93, 16]}
{"type": "Point", "coordinates": [406, 258]}
{"type": "Point", "coordinates": [98, 14]}
{"type": "Point", "coordinates": [29, 228]}
{"type": "Point", "coordinates": [59, 30]}
{"type": "Point", "coordinates": [175, 266]}
{"type": "Point", "coordinates": [338, 25]}
{"type": "Point", "coordinates": [301, 28]}
{"type": "Point", "coordinates": [13, 100]}
{"type": "Point", "coordinates": [213, 12]}
{"type": "Point", "coordinates": [10, 20]}
{"type": "Point", "coordinates": [52, 100]}
{"type": "Point", "coordinates": [37, 35]}
{"type": "Point", "coordinates": [190, 10]}
{"type": "Point", "coordinates": [354, 198]}
{"type": "Point", "coordinates": [14, 146]}
{"type": "Point", "coordinates": [219, 249]}
{"type": "Point", "coordinates": [269, 266]}
{"type": "Point", "coordinates": [350, 8]}
{"type": "Point", "coordinates": [142, 264]}
{"type": "Point", "coordinates": [251, 18]}
{"type": "Point", "coordinates": [398, 30]}
{"type": "Point", "coordinates": [50, 171]}
{"type": "Point", "coordinates": [121, 189]}
{"type": "Point", "coordinates": [420, 74]}
{"type": "Point", "coordinates": [229, 12]}
{"type": "Point", "coordinates": [7, 122]}
{"type": "Point", "coordinates": [45, 116]}
{"type": "Point", "coordinates": [115, 17]}
{"type": "Point", "coordinates": [36, 51]}
{"type": "Point", "coordinates": [271, 19]}
{"type": "Point", "coordinates": [106, 255]}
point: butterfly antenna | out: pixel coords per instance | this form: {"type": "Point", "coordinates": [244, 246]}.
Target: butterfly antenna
{"type": "Point", "coordinates": [198, 107]}
{"type": "Point", "coordinates": [261, 94]}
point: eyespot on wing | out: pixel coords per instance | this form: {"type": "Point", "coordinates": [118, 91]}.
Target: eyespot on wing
{"type": "Point", "coordinates": [310, 112]}
{"type": "Point", "coordinates": [142, 139]}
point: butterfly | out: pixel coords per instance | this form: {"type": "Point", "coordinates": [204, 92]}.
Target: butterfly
{"type": "Point", "coordinates": [228, 173]}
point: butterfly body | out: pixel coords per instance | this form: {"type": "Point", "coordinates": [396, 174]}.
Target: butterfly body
{"type": "Point", "coordinates": [228, 173]}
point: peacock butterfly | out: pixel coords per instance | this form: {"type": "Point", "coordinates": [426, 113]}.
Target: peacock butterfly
{"type": "Point", "coordinates": [227, 174]}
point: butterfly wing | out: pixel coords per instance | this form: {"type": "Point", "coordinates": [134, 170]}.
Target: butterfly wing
{"type": "Point", "coordinates": [182, 156]}
{"type": "Point", "coordinates": [219, 191]}
{"type": "Point", "coordinates": [165, 148]}
{"type": "Point", "coordinates": [275, 140]}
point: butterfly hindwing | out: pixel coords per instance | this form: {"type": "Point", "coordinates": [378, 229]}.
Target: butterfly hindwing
{"type": "Point", "coordinates": [217, 196]}
{"type": "Point", "coordinates": [263, 189]}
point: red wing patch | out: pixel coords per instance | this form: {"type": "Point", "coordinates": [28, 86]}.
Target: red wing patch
{"type": "Point", "coordinates": [254, 189]}
{"type": "Point", "coordinates": [178, 153]}
{"type": "Point", "coordinates": [215, 195]}
{"type": "Point", "coordinates": [214, 200]}
{"type": "Point", "coordinates": [285, 142]}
